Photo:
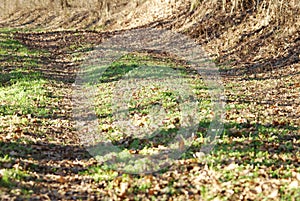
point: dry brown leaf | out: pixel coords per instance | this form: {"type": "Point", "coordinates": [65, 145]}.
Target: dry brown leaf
{"type": "Point", "coordinates": [123, 187]}
{"type": "Point", "coordinates": [273, 194]}
{"type": "Point", "coordinates": [294, 184]}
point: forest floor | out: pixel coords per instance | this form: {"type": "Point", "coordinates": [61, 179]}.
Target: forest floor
{"type": "Point", "coordinates": [41, 156]}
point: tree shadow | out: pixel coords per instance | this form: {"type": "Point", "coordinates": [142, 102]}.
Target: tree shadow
{"type": "Point", "coordinates": [50, 158]}
{"type": "Point", "coordinates": [253, 140]}
{"type": "Point", "coordinates": [267, 65]}
{"type": "Point", "coordinates": [37, 160]}
{"type": "Point", "coordinates": [29, 65]}
{"type": "Point", "coordinates": [241, 57]}
{"type": "Point", "coordinates": [54, 60]}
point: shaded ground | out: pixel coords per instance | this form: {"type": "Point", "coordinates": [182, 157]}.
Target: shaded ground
{"type": "Point", "coordinates": [55, 163]}
{"type": "Point", "coordinates": [256, 158]}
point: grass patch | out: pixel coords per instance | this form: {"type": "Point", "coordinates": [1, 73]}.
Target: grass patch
{"type": "Point", "coordinates": [22, 89]}
{"type": "Point", "coordinates": [101, 173]}
{"type": "Point", "coordinates": [25, 94]}
{"type": "Point", "coordinates": [255, 157]}
{"type": "Point", "coordinates": [11, 177]}
{"type": "Point", "coordinates": [152, 95]}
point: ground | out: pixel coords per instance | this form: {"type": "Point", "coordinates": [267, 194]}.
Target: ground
{"type": "Point", "coordinates": [255, 158]}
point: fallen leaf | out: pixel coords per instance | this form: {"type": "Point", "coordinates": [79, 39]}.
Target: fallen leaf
{"type": "Point", "coordinates": [294, 184]}
{"type": "Point", "coordinates": [273, 194]}
{"type": "Point", "coordinates": [61, 179]}
{"type": "Point", "coordinates": [232, 166]}
{"type": "Point", "coordinates": [123, 188]}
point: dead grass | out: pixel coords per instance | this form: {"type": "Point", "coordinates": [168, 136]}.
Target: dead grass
{"type": "Point", "coordinates": [78, 14]}
{"type": "Point", "coordinates": [254, 36]}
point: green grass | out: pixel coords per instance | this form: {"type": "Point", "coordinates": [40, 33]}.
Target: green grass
{"type": "Point", "coordinates": [24, 102]}
{"type": "Point", "coordinates": [101, 173]}
{"type": "Point", "coordinates": [14, 49]}
{"type": "Point", "coordinates": [147, 104]}
{"type": "Point", "coordinates": [10, 177]}
{"type": "Point", "coordinates": [22, 88]}
{"type": "Point", "coordinates": [248, 157]}
{"type": "Point", "coordinates": [25, 94]}
{"type": "Point", "coordinates": [246, 153]}
{"type": "Point", "coordinates": [9, 30]}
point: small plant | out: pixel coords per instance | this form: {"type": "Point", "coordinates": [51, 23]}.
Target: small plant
{"type": "Point", "coordinates": [101, 173]}
{"type": "Point", "coordinates": [10, 177]}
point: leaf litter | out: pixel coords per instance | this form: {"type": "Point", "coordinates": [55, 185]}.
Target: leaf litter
{"type": "Point", "coordinates": [257, 157]}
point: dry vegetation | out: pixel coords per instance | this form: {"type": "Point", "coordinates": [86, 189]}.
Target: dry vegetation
{"type": "Point", "coordinates": [230, 30]}
{"type": "Point", "coordinates": [239, 30]}
{"type": "Point", "coordinates": [90, 14]}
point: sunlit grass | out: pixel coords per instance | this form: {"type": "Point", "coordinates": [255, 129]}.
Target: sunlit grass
{"type": "Point", "coordinates": [22, 89]}
{"type": "Point", "coordinates": [23, 96]}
